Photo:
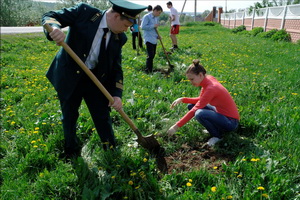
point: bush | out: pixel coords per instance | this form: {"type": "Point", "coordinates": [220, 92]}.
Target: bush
{"type": "Point", "coordinates": [209, 23]}
{"type": "Point", "coordinates": [267, 34]}
{"type": "Point", "coordinates": [256, 31]}
{"type": "Point", "coordinates": [281, 35]}
{"type": "Point", "coordinates": [246, 33]}
{"type": "Point", "coordinates": [239, 29]}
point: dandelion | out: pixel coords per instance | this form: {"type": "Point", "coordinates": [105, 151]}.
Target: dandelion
{"type": "Point", "coordinates": [12, 123]}
{"type": "Point", "coordinates": [230, 197]}
{"type": "Point", "coordinates": [239, 176]}
{"type": "Point", "coordinates": [260, 188]}
{"type": "Point", "coordinates": [215, 167]}
{"type": "Point", "coordinates": [244, 159]}
{"type": "Point", "coordinates": [188, 184]}
{"type": "Point", "coordinates": [33, 141]}
{"type": "Point", "coordinates": [214, 189]}
{"type": "Point", "coordinates": [145, 159]}
{"type": "Point", "coordinates": [130, 182]}
{"type": "Point", "coordinates": [133, 174]}
{"type": "Point", "coordinates": [255, 159]}
{"type": "Point", "coordinates": [190, 180]}
{"type": "Point", "coordinates": [265, 195]}
{"type": "Point", "coordinates": [113, 177]}
{"type": "Point", "coordinates": [137, 187]}
{"type": "Point", "coordinates": [35, 146]}
{"type": "Point", "coordinates": [294, 93]}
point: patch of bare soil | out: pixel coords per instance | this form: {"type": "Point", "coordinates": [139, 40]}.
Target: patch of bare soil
{"type": "Point", "coordinates": [189, 158]}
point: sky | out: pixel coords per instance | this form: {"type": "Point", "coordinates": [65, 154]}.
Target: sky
{"type": "Point", "coordinates": [202, 5]}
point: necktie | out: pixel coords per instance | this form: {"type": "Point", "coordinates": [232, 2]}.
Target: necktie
{"type": "Point", "coordinates": [102, 54]}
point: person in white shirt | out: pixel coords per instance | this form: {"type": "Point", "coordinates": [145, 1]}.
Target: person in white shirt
{"type": "Point", "coordinates": [174, 19]}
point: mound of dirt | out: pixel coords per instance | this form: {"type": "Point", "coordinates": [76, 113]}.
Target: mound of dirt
{"type": "Point", "coordinates": [188, 158]}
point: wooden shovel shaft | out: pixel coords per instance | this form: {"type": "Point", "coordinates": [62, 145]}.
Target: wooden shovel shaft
{"type": "Point", "coordinates": [96, 81]}
{"type": "Point", "coordinates": [163, 46]}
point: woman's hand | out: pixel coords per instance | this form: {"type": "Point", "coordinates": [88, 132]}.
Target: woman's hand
{"type": "Point", "coordinates": [177, 101]}
{"type": "Point", "coordinates": [172, 130]}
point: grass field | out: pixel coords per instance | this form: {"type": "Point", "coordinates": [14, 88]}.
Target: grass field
{"type": "Point", "coordinates": [258, 161]}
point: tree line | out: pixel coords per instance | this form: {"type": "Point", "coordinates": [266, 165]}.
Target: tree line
{"type": "Point", "coordinates": [29, 12]}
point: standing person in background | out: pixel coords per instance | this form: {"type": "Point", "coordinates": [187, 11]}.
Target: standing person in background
{"type": "Point", "coordinates": [149, 23]}
{"type": "Point", "coordinates": [149, 9]}
{"type": "Point", "coordinates": [174, 20]}
{"type": "Point", "coordinates": [88, 28]}
{"type": "Point", "coordinates": [135, 33]}
{"type": "Point", "coordinates": [214, 108]}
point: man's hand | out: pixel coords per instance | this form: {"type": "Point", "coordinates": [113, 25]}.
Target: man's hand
{"type": "Point", "coordinates": [177, 101]}
{"type": "Point", "coordinates": [117, 105]}
{"type": "Point", "coordinates": [172, 130]}
{"type": "Point", "coordinates": [57, 35]}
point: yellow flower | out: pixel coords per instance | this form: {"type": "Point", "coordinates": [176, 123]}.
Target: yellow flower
{"type": "Point", "coordinates": [113, 177]}
{"type": "Point", "coordinates": [137, 187]}
{"type": "Point", "coordinates": [214, 189]}
{"type": "Point", "coordinates": [36, 128]}
{"type": "Point", "coordinates": [33, 141]}
{"type": "Point", "coordinates": [215, 167]}
{"type": "Point", "coordinates": [188, 184]}
{"type": "Point", "coordinates": [239, 176]}
{"type": "Point", "coordinates": [230, 197]}
{"type": "Point", "coordinates": [190, 180]}
{"type": "Point", "coordinates": [130, 182]}
{"type": "Point", "coordinates": [35, 146]}
{"type": "Point", "coordinates": [261, 188]}
{"type": "Point", "coordinates": [265, 195]}
{"type": "Point", "coordinates": [145, 159]}
{"type": "Point", "coordinates": [133, 174]}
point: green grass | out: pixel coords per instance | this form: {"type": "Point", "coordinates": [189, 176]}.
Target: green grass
{"type": "Point", "coordinates": [262, 76]}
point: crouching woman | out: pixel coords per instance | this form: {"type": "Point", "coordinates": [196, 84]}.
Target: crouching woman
{"type": "Point", "coordinates": [215, 109]}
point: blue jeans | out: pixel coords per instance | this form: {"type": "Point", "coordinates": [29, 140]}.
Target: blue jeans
{"type": "Point", "coordinates": [215, 123]}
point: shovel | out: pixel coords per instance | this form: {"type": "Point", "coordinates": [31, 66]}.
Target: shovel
{"type": "Point", "coordinates": [148, 142]}
{"type": "Point", "coordinates": [171, 67]}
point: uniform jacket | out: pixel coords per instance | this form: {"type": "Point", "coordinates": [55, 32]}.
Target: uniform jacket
{"type": "Point", "coordinates": [83, 21]}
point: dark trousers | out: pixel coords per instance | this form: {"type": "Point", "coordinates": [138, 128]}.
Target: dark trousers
{"type": "Point", "coordinates": [151, 51]}
{"type": "Point", "coordinates": [134, 36]}
{"type": "Point", "coordinates": [99, 110]}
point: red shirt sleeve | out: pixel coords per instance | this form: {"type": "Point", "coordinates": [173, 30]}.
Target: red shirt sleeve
{"type": "Point", "coordinates": [200, 102]}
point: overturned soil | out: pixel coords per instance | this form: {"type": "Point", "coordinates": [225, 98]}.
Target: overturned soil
{"type": "Point", "coordinates": [189, 158]}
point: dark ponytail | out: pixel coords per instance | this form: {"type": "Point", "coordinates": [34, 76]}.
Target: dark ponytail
{"type": "Point", "coordinates": [196, 68]}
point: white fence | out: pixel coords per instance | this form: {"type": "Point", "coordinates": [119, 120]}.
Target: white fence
{"type": "Point", "coordinates": [282, 17]}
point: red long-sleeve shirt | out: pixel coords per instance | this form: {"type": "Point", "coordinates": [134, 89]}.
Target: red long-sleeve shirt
{"type": "Point", "coordinates": [215, 94]}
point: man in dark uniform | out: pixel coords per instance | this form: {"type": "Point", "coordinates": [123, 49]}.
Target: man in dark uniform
{"type": "Point", "coordinates": [87, 29]}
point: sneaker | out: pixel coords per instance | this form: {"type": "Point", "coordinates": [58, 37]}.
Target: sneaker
{"type": "Point", "coordinates": [212, 141]}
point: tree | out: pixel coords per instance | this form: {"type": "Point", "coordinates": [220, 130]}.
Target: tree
{"type": "Point", "coordinates": [20, 12]}
{"type": "Point", "coordinates": [273, 3]}
{"type": "Point", "coordinates": [101, 4]}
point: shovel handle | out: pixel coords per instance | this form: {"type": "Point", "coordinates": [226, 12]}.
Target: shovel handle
{"type": "Point", "coordinates": [95, 80]}
{"type": "Point", "coordinates": [163, 46]}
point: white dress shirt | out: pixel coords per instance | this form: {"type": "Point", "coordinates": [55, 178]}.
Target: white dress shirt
{"type": "Point", "coordinates": [92, 59]}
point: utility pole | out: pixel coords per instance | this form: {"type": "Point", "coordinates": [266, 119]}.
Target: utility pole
{"type": "Point", "coordinates": [195, 13]}
{"type": "Point", "coordinates": [225, 6]}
